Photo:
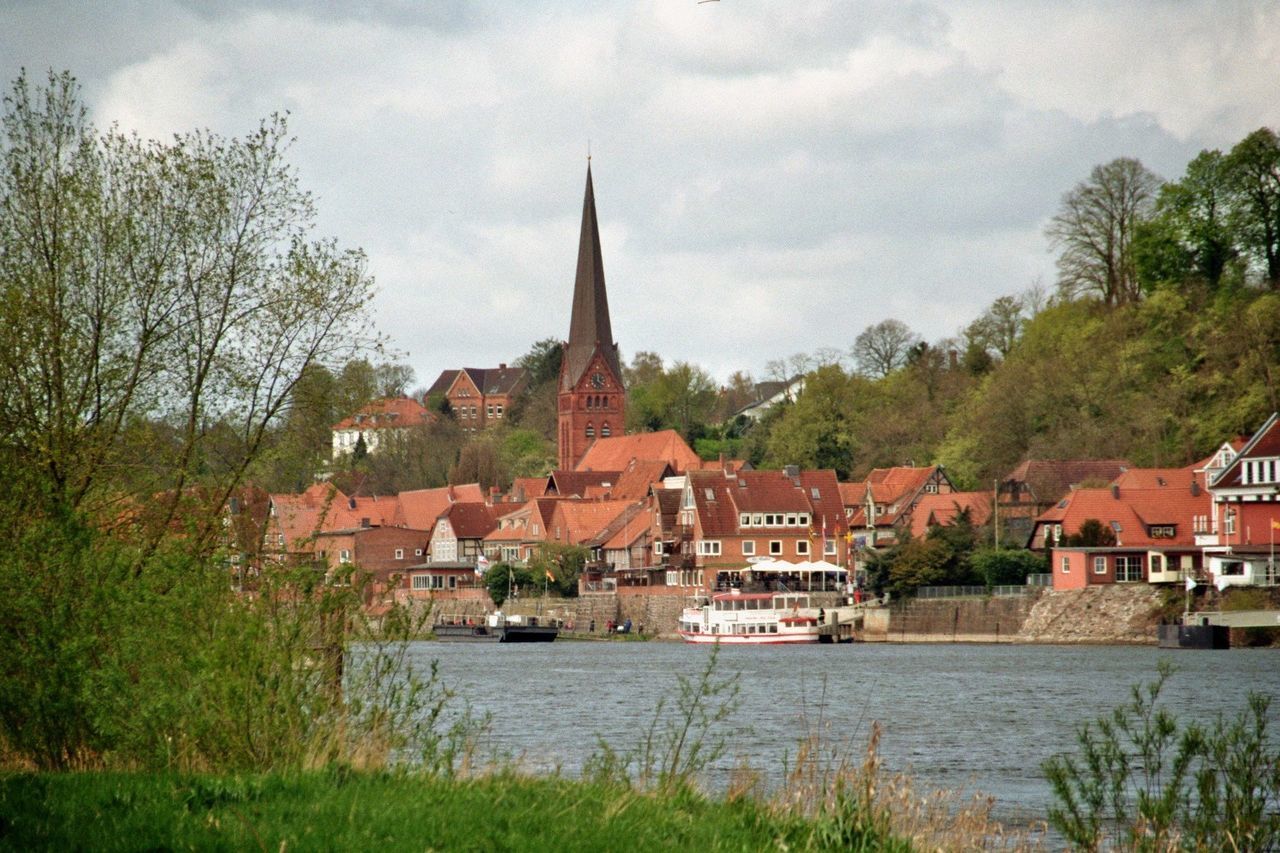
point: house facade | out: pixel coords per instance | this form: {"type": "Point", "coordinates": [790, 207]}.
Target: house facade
{"type": "Point", "coordinates": [379, 423]}
{"type": "Point", "coordinates": [480, 397]}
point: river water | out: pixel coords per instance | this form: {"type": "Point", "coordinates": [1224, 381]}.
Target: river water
{"type": "Point", "coordinates": [980, 718]}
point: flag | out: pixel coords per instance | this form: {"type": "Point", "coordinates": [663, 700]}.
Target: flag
{"type": "Point", "coordinates": [482, 564]}
{"type": "Point", "coordinates": [1275, 524]}
{"type": "Point", "coordinates": [550, 576]}
{"type": "Point", "coordinates": [1191, 583]}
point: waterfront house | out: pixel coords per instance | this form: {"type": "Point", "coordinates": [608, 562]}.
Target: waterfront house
{"type": "Point", "coordinates": [1144, 530]}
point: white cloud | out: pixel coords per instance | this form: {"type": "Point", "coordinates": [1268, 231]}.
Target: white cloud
{"type": "Point", "coordinates": [771, 177]}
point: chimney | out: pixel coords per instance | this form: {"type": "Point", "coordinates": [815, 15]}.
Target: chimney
{"type": "Point", "coordinates": [364, 522]}
{"type": "Point", "coordinates": [1115, 491]}
{"type": "Point", "coordinates": [502, 366]}
{"type": "Point", "coordinates": [1195, 488]}
{"type": "Point", "coordinates": [792, 471]}
{"type": "Point", "coordinates": [494, 493]}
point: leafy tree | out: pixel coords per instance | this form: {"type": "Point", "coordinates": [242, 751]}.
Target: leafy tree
{"type": "Point", "coordinates": [1253, 169]}
{"type": "Point", "coordinates": [1006, 566]}
{"type": "Point", "coordinates": [922, 562]}
{"type": "Point", "coordinates": [998, 329]}
{"type": "Point", "coordinates": [1191, 235]}
{"type": "Point", "coordinates": [883, 348]}
{"type": "Point", "coordinates": [543, 362]}
{"type": "Point", "coordinates": [818, 430]}
{"type": "Point", "coordinates": [505, 580]}
{"type": "Point", "coordinates": [393, 380]}
{"type": "Point", "coordinates": [173, 282]}
{"type": "Point", "coordinates": [563, 562]}
{"type": "Point", "coordinates": [480, 461]}
{"type": "Point", "coordinates": [1095, 227]}
{"type": "Point", "coordinates": [1092, 534]}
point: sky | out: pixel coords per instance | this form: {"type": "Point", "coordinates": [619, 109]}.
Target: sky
{"type": "Point", "coordinates": [770, 177]}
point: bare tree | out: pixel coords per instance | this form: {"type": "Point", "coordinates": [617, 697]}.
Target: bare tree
{"type": "Point", "coordinates": [1094, 230]}
{"type": "Point", "coordinates": [884, 347]}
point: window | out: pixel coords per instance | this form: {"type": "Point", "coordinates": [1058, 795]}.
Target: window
{"type": "Point", "coordinates": [1229, 521]}
{"type": "Point", "coordinates": [709, 547]}
{"type": "Point", "coordinates": [417, 552]}
{"type": "Point", "coordinates": [744, 519]}
{"type": "Point", "coordinates": [399, 553]}
{"type": "Point", "coordinates": [422, 582]}
{"type": "Point", "coordinates": [775, 547]}
{"type": "Point", "coordinates": [757, 520]}
{"type": "Point", "coordinates": [591, 431]}
{"type": "Point", "coordinates": [488, 411]}
{"type": "Point", "coordinates": [791, 519]}
{"type": "Point", "coordinates": [1057, 533]}
{"type": "Point", "coordinates": [344, 556]}
{"type": "Point", "coordinates": [673, 578]}
{"type": "Point", "coordinates": [604, 430]}
{"type": "Point", "coordinates": [802, 547]}
{"type": "Point", "coordinates": [748, 548]}
{"type": "Point", "coordinates": [1157, 563]}
{"type": "Point", "coordinates": [1128, 568]}
{"type": "Point", "coordinates": [1099, 565]}
{"type": "Point", "coordinates": [803, 519]}
{"type": "Point", "coordinates": [497, 410]}
{"type": "Point", "coordinates": [657, 549]}
{"type": "Point", "coordinates": [829, 548]}
{"type": "Point", "coordinates": [1066, 564]}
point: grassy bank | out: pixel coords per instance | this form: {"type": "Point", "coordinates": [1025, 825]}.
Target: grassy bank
{"type": "Point", "coordinates": [387, 811]}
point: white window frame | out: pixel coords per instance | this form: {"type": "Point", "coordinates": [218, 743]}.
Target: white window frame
{"type": "Point", "coordinates": [399, 553]}
{"type": "Point", "coordinates": [344, 556]}
{"type": "Point", "coordinates": [1128, 568]}
{"type": "Point", "coordinates": [829, 548]}
{"type": "Point", "coordinates": [1066, 564]}
{"type": "Point", "coordinates": [421, 582]}
{"type": "Point", "coordinates": [709, 547]}
{"type": "Point", "coordinates": [1099, 564]}
{"type": "Point", "coordinates": [802, 547]}
{"type": "Point", "coordinates": [748, 548]}
{"type": "Point", "coordinates": [775, 547]}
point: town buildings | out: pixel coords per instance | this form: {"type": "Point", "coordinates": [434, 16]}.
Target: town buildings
{"type": "Point", "coordinates": [378, 424]}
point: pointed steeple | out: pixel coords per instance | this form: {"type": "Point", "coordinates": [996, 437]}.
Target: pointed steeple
{"type": "Point", "coordinates": [589, 323]}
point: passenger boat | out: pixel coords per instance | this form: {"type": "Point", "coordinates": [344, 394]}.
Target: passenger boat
{"type": "Point", "coordinates": [496, 628]}
{"type": "Point", "coordinates": [746, 618]}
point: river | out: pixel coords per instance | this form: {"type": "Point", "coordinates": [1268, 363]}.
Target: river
{"type": "Point", "coordinates": [981, 718]}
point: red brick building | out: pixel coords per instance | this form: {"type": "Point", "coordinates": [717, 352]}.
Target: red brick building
{"type": "Point", "coordinates": [480, 397]}
{"type": "Point", "coordinates": [592, 399]}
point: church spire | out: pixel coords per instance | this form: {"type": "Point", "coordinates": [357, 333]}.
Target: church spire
{"type": "Point", "coordinates": [589, 322]}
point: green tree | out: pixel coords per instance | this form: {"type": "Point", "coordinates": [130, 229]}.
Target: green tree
{"type": "Point", "coordinates": [176, 282]}
{"type": "Point", "coordinates": [1006, 566]}
{"type": "Point", "coordinates": [1092, 534]}
{"type": "Point", "coordinates": [1253, 169]}
{"type": "Point", "coordinates": [563, 562]}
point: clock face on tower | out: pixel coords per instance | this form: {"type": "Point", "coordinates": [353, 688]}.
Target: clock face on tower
{"type": "Point", "coordinates": [597, 380]}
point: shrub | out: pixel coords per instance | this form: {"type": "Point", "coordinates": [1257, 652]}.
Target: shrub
{"type": "Point", "coordinates": [1143, 780]}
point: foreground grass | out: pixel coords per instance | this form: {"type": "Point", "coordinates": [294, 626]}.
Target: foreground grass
{"type": "Point", "coordinates": [385, 811]}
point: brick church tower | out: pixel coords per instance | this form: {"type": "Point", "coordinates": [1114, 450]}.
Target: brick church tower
{"type": "Point", "coordinates": [592, 400]}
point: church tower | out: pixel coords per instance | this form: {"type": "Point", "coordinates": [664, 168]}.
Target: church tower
{"type": "Point", "coordinates": [592, 400]}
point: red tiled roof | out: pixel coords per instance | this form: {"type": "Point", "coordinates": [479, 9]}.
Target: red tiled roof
{"type": "Point", "coordinates": [419, 508]}
{"type": "Point", "coordinates": [528, 488]}
{"type": "Point", "coordinates": [1136, 509]}
{"type": "Point", "coordinates": [398, 412]}
{"type": "Point", "coordinates": [945, 509]}
{"type": "Point", "coordinates": [472, 520]}
{"type": "Point", "coordinates": [634, 482]}
{"type": "Point", "coordinates": [576, 483]}
{"type": "Point", "coordinates": [583, 520]}
{"type": "Point", "coordinates": [1050, 479]}
{"type": "Point", "coordinates": [616, 452]}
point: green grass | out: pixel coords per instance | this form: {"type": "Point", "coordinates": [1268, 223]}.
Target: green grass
{"type": "Point", "coordinates": [383, 811]}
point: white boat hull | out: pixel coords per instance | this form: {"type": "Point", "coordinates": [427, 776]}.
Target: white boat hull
{"type": "Point", "coordinates": [749, 639]}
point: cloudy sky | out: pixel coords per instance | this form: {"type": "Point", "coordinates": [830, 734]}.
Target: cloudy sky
{"type": "Point", "coordinates": [771, 177]}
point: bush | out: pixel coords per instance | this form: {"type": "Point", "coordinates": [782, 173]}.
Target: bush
{"type": "Point", "coordinates": [1143, 780]}
{"type": "Point", "coordinates": [1007, 565]}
